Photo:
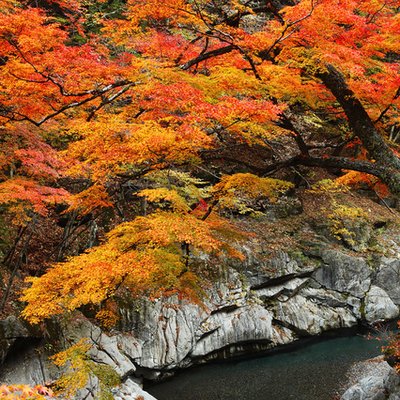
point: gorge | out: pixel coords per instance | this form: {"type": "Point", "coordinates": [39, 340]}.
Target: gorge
{"type": "Point", "coordinates": [270, 300]}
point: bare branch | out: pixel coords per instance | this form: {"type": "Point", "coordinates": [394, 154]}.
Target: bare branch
{"type": "Point", "coordinates": [285, 34]}
{"type": "Point", "coordinates": [387, 108]}
{"type": "Point", "coordinates": [109, 100]}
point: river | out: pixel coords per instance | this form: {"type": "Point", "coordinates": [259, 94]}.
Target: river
{"type": "Point", "coordinates": [314, 370]}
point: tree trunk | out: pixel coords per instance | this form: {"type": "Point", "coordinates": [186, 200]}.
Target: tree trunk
{"type": "Point", "coordinates": [386, 160]}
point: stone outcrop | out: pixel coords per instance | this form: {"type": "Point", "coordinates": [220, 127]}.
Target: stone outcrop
{"type": "Point", "coordinates": [373, 380]}
{"type": "Point", "coordinates": [33, 367]}
{"type": "Point", "coordinates": [388, 277]}
{"type": "Point", "coordinates": [14, 335]}
{"type": "Point", "coordinates": [344, 273]}
{"type": "Point", "coordinates": [278, 302]}
{"type": "Point", "coordinates": [378, 305]}
{"type": "Point", "coordinates": [269, 300]}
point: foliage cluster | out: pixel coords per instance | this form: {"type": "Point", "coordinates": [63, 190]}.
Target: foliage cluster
{"type": "Point", "coordinates": [25, 392]}
{"type": "Point", "coordinates": [344, 219]}
{"type": "Point", "coordinates": [128, 128]}
{"type": "Point", "coordinates": [80, 369]}
{"type": "Point", "coordinates": [132, 106]}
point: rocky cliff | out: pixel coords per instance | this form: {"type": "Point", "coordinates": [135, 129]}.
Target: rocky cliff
{"type": "Point", "coordinates": [276, 296]}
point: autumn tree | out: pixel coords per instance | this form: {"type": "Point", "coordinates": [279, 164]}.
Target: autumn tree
{"type": "Point", "coordinates": [148, 103]}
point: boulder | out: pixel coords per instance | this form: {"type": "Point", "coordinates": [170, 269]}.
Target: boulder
{"type": "Point", "coordinates": [388, 278]}
{"type": "Point", "coordinates": [379, 306]}
{"type": "Point", "coordinates": [131, 390]}
{"type": "Point", "coordinates": [373, 380]}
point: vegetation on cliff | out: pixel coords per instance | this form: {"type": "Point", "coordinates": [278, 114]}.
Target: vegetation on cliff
{"type": "Point", "coordinates": [132, 130]}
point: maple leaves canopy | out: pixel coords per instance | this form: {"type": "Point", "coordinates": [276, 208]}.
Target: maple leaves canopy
{"type": "Point", "coordinates": [125, 95]}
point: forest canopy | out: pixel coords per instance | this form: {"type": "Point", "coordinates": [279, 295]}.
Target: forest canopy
{"type": "Point", "coordinates": [140, 126]}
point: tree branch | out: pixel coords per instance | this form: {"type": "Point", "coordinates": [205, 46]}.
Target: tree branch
{"type": "Point", "coordinates": [206, 56]}
{"type": "Point", "coordinates": [97, 93]}
{"type": "Point", "coordinates": [358, 118]}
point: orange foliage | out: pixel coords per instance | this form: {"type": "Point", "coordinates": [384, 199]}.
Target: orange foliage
{"type": "Point", "coordinates": [22, 195]}
{"type": "Point", "coordinates": [359, 180]}
{"type": "Point", "coordinates": [88, 200]}
{"type": "Point", "coordinates": [157, 86]}
{"type": "Point", "coordinates": [146, 255]}
{"type": "Point", "coordinates": [20, 392]}
{"type": "Point", "coordinates": [392, 350]}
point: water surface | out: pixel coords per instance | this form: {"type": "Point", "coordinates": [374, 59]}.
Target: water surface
{"type": "Point", "coordinates": [313, 371]}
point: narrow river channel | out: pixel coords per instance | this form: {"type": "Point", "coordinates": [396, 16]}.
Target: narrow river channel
{"type": "Point", "coordinates": [313, 371]}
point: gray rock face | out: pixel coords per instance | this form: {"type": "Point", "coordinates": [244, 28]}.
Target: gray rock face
{"type": "Point", "coordinates": [12, 330]}
{"type": "Point", "coordinates": [264, 309]}
{"type": "Point", "coordinates": [104, 349]}
{"type": "Point", "coordinates": [379, 306]}
{"type": "Point", "coordinates": [373, 380]}
{"type": "Point", "coordinates": [344, 273]}
{"type": "Point", "coordinates": [388, 278]}
{"type": "Point", "coordinates": [162, 333]}
{"type": "Point", "coordinates": [252, 307]}
{"type": "Point", "coordinates": [281, 265]}
{"type": "Point", "coordinates": [33, 367]}
{"type": "Point", "coordinates": [247, 323]}
{"type": "Point", "coordinates": [307, 317]}
{"type": "Point", "coordinates": [131, 390]}
{"type": "Point", "coordinates": [29, 368]}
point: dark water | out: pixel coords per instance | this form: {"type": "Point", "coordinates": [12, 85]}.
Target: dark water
{"type": "Point", "coordinates": [313, 371]}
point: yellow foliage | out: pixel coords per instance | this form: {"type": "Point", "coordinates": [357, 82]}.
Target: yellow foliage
{"type": "Point", "coordinates": [146, 254]}
{"type": "Point", "coordinates": [329, 186]}
{"type": "Point", "coordinates": [78, 368]}
{"type": "Point", "coordinates": [108, 318]}
{"type": "Point", "coordinates": [76, 359]}
{"type": "Point", "coordinates": [112, 145]}
{"type": "Point", "coordinates": [235, 192]}
{"type": "Point", "coordinates": [85, 279]}
{"type": "Point", "coordinates": [160, 195]}
{"type": "Point", "coordinates": [181, 182]}
{"type": "Point", "coordinates": [343, 219]}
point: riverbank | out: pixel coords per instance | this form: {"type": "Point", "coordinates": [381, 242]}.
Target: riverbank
{"type": "Point", "coordinates": [314, 370]}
